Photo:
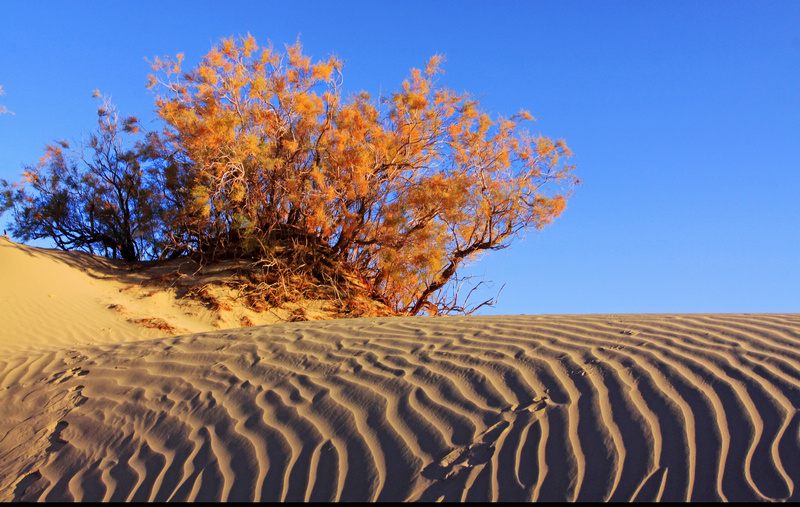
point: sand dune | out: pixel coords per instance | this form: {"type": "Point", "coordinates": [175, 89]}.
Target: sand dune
{"type": "Point", "coordinates": [654, 407]}
{"type": "Point", "coordinates": [52, 299]}
{"type": "Point", "coordinates": [566, 407]}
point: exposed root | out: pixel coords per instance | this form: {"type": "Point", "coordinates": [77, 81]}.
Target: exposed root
{"type": "Point", "coordinates": [204, 294]}
{"type": "Point", "coordinates": [298, 315]}
{"type": "Point", "coordinates": [286, 275]}
{"type": "Point", "coordinates": [297, 272]}
{"type": "Point", "coordinates": [164, 279]}
{"type": "Point", "coordinates": [155, 323]}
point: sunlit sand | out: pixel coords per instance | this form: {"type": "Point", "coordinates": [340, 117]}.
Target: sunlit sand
{"type": "Point", "coordinates": [111, 390]}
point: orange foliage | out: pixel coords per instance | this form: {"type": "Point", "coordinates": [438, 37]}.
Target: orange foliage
{"type": "Point", "coordinates": [261, 146]}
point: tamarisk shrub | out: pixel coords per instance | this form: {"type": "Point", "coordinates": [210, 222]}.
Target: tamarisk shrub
{"type": "Point", "coordinates": [261, 156]}
{"type": "Point", "coordinates": [260, 147]}
{"type": "Point", "coordinates": [96, 197]}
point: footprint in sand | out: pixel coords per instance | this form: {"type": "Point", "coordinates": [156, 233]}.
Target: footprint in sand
{"type": "Point", "coordinates": [482, 450]}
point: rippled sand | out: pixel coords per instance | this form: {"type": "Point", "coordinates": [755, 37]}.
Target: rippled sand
{"type": "Point", "coordinates": [562, 407]}
{"type": "Point", "coordinates": [655, 407]}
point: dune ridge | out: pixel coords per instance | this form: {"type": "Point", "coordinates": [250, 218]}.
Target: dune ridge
{"type": "Point", "coordinates": [557, 407]}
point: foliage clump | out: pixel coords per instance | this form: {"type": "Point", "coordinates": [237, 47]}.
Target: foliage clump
{"type": "Point", "coordinates": [97, 197]}
{"type": "Point", "coordinates": [262, 157]}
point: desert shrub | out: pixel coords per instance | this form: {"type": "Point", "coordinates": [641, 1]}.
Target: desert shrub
{"type": "Point", "coordinates": [96, 198]}
{"type": "Point", "coordinates": [262, 157]}
{"type": "Point", "coordinates": [260, 149]}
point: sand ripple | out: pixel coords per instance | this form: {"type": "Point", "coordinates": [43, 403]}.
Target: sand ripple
{"type": "Point", "coordinates": [598, 407]}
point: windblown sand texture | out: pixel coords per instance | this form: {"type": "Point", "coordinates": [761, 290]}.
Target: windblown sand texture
{"type": "Point", "coordinates": [587, 407]}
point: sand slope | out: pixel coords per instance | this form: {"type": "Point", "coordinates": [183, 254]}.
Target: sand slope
{"type": "Point", "coordinates": [654, 407]}
{"type": "Point", "coordinates": [50, 299]}
{"type": "Point", "coordinates": [589, 407]}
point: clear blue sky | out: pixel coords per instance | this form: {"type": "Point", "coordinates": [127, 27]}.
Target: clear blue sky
{"type": "Point", "coordinates": [684, 117]}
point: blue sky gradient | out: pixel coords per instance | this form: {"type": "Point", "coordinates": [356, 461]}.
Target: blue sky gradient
{"type": "Point", "coordinates": [684, 117]}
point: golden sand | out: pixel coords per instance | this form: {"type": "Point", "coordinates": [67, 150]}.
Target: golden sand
{"type": "Point", "coordinates": [97, 406]}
